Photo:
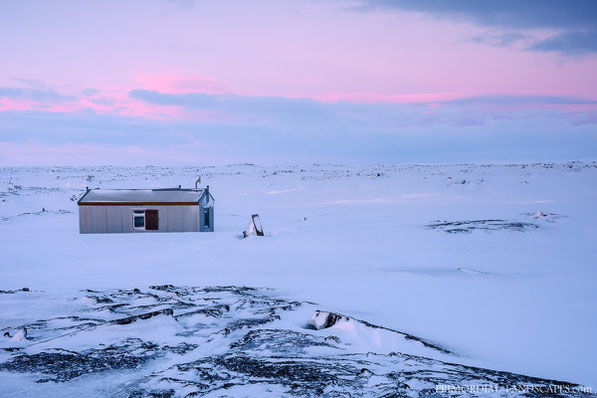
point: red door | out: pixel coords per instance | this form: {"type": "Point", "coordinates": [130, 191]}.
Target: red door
{"type": "Point", "coordinates": [151, 220]}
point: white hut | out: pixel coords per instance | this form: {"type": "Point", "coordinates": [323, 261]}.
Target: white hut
{"type": "Point", "coordinates": [146, 210]}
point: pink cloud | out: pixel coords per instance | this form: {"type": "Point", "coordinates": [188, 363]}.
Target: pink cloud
{"type": "Point", "coordinates": [9, 104]}
{"type": "Point", "coordinates": [113, 100]}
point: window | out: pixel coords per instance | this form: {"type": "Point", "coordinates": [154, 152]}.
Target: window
{"type": "Point", "coordinates": [139, 219]}
{"type": "Point", "coordinates": [145, 220]}
{"type": "Point", "coordinates": [206, 220]}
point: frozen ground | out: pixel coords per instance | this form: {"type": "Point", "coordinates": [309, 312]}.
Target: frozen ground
{"type": "Point", "coordinates": [494, 264]}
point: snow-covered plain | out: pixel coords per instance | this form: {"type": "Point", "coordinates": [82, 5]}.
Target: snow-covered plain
{"type": "Point", "coordinates": [494, 263]}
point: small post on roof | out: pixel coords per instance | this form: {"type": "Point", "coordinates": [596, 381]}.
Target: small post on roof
{"type": "Point", "coordinates": [197, 182]}
{"type": "Point", "coordinates": [207, 192]}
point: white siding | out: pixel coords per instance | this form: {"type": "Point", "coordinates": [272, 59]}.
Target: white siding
{"type": "Point", "coordinates": [111, 219]}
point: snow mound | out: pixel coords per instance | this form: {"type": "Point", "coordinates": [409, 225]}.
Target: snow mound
{"type": "Point", "coordinates": [367, 337]}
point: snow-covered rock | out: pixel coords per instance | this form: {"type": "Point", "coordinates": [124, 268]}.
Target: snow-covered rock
{"type": "Point", "coordinates": [324, 319]}
{"type": "Point", "coordinates": [20, 335]}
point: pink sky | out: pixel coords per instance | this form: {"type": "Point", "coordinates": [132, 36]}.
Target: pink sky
{"type": "Point", "coordinates": [322, 50]}
{"type": "Point", "coordinates": [328, 51]}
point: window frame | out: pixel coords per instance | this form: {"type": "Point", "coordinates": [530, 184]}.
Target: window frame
{"type": "Point", "coordinates": [135, 212]}
{"type": "Point", "coordinates": [206, 218]}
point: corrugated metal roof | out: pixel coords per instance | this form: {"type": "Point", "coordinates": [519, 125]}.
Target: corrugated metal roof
{"type": "Point", "coordinates": [174, 195]}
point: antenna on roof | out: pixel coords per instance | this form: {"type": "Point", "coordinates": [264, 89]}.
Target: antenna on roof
{"type": "Point", "coordinates": [197, 182]}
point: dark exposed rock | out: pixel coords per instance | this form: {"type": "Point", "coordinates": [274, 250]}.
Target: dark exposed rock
{"type": "Point", "coordinates": [180, 349]}
{"type": "Point", "coordinates": [25, 289]}
{"type": "Point", "coordinates": [147, 315]}
{"type": "Point", "coordinates": [301, 377]}
{"type": "Point", "coordinates": [281, 341]}
{"type": "Point", "coordinates": [164, 288]}
{"type": "Point", "coordinates": [152, 394]}
{"type": "Point", "coordinates": [455, 227]}
{"type": "Point", "coordinates": [213, 311]}
{"type": "Point", "coordinates": [101, 300]}
{"type": "Point", "coordinates": [61, 366]}
{"type": "Point", "coordinates": [251, 322]}
{"type": "Point", "coordinates": [240, 290]}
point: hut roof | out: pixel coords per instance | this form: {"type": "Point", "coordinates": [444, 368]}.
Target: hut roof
{"type": "Point", "coordinates": [141, 196]}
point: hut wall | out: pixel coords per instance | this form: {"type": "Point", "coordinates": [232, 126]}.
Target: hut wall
{"type": "Point", "coordinates": [115, 219]}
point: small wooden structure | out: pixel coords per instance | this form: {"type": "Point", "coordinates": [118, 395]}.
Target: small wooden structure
{"type": "Point", "coordinates": [255, 227]}
{"type": "Point", "coordinates": [146, 210]}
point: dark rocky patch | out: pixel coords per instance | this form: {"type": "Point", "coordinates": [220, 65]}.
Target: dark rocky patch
{"type": "Point", "coordinates": [456, 227]}
{"type": "Point", "coordinates": [281, 341]}
{"type": "Point", "coordinates": [25, 289]}
{"type": "Point", "coordinates": [215, 311]}
{"type": "Point", "coordinates": [61, 365]}
{"type": "Point", "coordinates": [147, 315]}
{"type": "Point", "coordinates": [251, 322]}
{"type": "Point", "coordinates": [300, 376]}
{"type": "Point", "coordinates": [544, 216]}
